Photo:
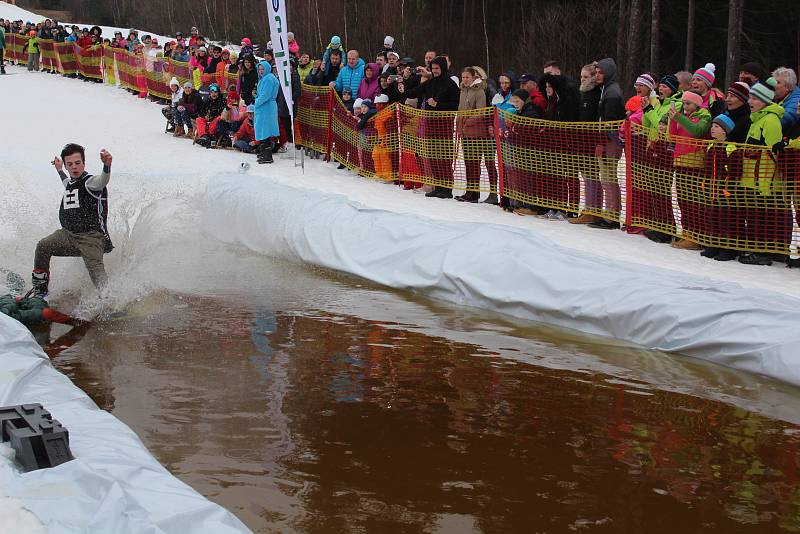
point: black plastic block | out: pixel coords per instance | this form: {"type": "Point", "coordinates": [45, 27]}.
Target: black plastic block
{"type": "Point", "coordinates": [39, 440]}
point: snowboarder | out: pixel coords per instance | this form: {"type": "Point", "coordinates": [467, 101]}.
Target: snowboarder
{"type": "Point", "coordinates": [83, 215]}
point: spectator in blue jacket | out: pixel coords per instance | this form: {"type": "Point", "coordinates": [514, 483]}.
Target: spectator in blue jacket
{"type": "Point", "coordinates": [787, 95]}
{"type": "Point", "coordinates": [351, 74]}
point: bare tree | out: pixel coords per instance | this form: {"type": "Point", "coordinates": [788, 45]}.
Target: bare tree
{"type": "Point", "coordinates": [735, 19]}
{"type": "Point", "coordinates": [634, 43]}
{"type": "Point", "coordinates": [622, 33]}
{"type": "Point", "coordinates": [485, 34]}
{"type": "Point", "coordinates": [690, 37]}
{"type": "Point", "coordinates": [655, 34]}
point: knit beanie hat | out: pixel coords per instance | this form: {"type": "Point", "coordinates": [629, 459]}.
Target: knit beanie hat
{"type": "Point", "coordinates": [764, 91]}
{"type": "Point", "coordinates": [522, 94]}
{"type": "Point", "coordinates": [336, 40]}
{"type": "Point", "coordinates": [388, 41]}
{"type": "Point", "coordinates": [694, 98]}
{"type": "Point", "coordinates": [633, 104]}
{"type": "Point", "coordinates": [671, 81]}
{"type": "Point", "coordinates": [706, 73]}
{"type": "Point", "coordinates": [739, 90]}
{"type": "Point", "coordinates": [382, 99]}
{"type": "Point", "coordinates": [725, 122]}
{"type": "Point", "coordinates": [647, 81]}
{"type": "Point", "coordinates": [188, 85]}
{"type": "Point", "coordinates": [174, 81]}
{"type": "Point", "coordinates": [251, 108]}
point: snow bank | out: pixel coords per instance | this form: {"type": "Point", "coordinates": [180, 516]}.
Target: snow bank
{"type": "Point", "coordinates": [514, 272]}
{"type": "Point", "coordinates": [113, 485]}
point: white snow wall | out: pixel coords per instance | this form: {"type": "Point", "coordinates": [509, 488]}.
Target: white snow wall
{"type": "Point", "coordinates": [514, 272]}
{"type": "Point", "coordinates": [114, 484]}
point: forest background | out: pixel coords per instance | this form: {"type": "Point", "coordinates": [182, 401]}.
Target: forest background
{"type": "Point", "coordinates": [657, 36]}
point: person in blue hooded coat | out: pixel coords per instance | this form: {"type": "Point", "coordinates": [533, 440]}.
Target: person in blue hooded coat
{"type": "Point", "coordinates": [351, 75]}
{"type": "Point", "coordinates": [266, 115]}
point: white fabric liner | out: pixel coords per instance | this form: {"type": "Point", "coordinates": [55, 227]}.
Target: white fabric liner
{"type": "Point", "coordinates": [114, 484]}
{"type": "Point", "coordinates": [512, 271]}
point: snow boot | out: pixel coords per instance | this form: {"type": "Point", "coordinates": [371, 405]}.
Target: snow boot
{"type": "Point", "coordinates": [755, 259]}
{"type": "Point", "coordinates": [179, 131]}
{"type": "Point", "coordinates": [726, 255]}
{"type": "Point", "coordinates": [265, 152]}
{"type": "Point", "coordinates": [470, 196]}
{"type": "Point", "coordinates": [492, 199]}
{"type": "Point", "coordinates": [203, 141]}
{"type": "Point", "coordinates": [40, 280]}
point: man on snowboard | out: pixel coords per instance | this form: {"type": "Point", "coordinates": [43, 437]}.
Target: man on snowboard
{"type": "Point", "coordinates": [83, 214]}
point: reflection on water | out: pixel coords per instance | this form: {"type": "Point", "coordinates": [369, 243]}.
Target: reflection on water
{"type": "Point", "coordinates": [315, 421]}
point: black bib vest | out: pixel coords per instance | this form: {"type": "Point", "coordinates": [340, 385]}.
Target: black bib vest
{"type": "Point", "coordinates": [83, 210]}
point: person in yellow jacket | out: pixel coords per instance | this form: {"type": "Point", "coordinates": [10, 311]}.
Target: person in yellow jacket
{"type": "Point", "coordinates": [32, 47]}
{"type": "Point", "coordinates": [767, 207]}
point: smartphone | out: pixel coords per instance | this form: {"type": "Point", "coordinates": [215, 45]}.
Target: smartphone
{"type": "Point", "coordinates": [672, 106]}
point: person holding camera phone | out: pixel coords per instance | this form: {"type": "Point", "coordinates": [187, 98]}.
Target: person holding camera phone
{"type": "Point", "coordinates": [437, 92]}
{"type": "Point", "coordinates": [83, 215]}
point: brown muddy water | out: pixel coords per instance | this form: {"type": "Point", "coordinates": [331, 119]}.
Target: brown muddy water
{"type": "Point", "coordinates": [306, 401]}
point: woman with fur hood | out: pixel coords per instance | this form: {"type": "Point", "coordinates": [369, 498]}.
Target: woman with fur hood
{"type": "Point", "coordinates": [475, 132]}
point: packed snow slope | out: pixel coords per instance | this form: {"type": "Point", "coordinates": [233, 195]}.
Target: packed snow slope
{"type": "Point", "coordinates": [649, 294]}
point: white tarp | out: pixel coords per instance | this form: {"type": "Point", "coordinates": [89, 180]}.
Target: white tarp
{"type": "Point", "coordinates": [512, 271]}
{"type": "Point", "coordinates": [114, 484]}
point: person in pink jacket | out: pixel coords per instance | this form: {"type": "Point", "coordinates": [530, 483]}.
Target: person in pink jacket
{"type": "Point", "coordinates": [294, 46]}
{"type": "Point", "coordinates": [370, 86]}
{"type": "Point", "coordinates": [687, 128]}
{"type": "Point", "coordinates": [199, 59]}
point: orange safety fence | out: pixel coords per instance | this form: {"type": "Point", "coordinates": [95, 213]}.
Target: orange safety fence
{"type": "Point", "coordinates": [67, 59]}
{"type": "Point", "coordinates": [369, 149]}
{"type": "Point", "coordinates": [717, 194]}
{"type": "Point", "coordinates": [313, 117]}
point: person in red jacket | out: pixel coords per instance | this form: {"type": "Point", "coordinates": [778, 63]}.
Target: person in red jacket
{"type": "Point", "coordinates": [528, 82]}
{"type": "Point", "coordinates": [85, 40]}
{"type": "Point", "coordinates": [245, 138]}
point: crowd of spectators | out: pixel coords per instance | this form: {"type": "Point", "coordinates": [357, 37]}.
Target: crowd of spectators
{"type": "Point", "coordinates": [760, 108]}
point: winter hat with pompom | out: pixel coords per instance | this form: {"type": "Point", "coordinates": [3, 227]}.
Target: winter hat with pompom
{"type": "Point", "coordinates": [764, 91]}
{"type": "Point", "coordinates": [706, 74]}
